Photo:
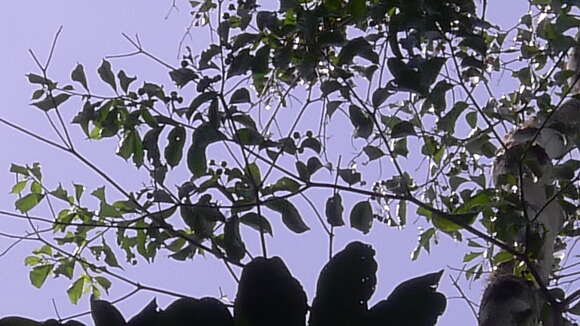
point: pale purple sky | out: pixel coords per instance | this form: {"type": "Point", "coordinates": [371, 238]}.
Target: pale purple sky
{"type": "Point", "coordinates": [92, 30]}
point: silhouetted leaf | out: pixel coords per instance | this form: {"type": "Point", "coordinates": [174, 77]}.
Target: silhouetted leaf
{"type": "Point", "coordinates": [413, 302]}
{"type": "Point", "coordinates": [350, 176]}
{"type": "Point", "coordinates": [241, 95]}
{"type": "Point", "coordinates": [203, 136]}
{"type": "Point", "coordinates": [78, 75]}
{"type": "Point", "coordinates": [105, 314]}
{"type": "Point", "coordinates": [290, 215]}
{"type": "Point", "coordinates": [174, 149]}
{"type": "Point", "coordinates": [51, 102]}
{"type": "Point", "coordinates": [19, 321]}
{"type": "Point", "coordinates": [125, 80]}
{"type": "Point", "coordinates": [199, 100]}
{"type": "Point", "coordinates": [269, 295]}
{"type": "Point", "coordinates": [233, 243]}
{"type": "Point", "coordinates": [361, 217]}
{"type": "Point", "coordinates": [380, 95]}
{"type": "Point", "coordinates": [256, 222]}
{"type": "Point", "coordinates": [334, 210]}
{"type": "Point", "coordinates": [361, 121]}
{"type": "Point", "coordinates": [107, 75]}
{"type": "Point", "coordinates": [190, 311]}
{"type": "Point", "coordinates": [148, 316]}
{"type": "Point", "coordinates": [344, 286]}
{"type": "Point", "coordinates": [182, 76]}
{"type": "Point", "coordinates": [403, 129]}
{"type": "Point", "coordinates": [373, 152]}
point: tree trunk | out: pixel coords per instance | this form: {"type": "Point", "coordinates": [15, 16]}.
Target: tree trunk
{"type": "Point", "coordinates": [511, 299]}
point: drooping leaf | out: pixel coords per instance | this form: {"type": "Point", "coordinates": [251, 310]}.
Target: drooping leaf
{"type": "Point", "coordinates": [39, 274]}
{"type": "Point", "coordinates": [362, 123]}
{"type": "Point", "coordinates": [361, 217]}
{"type": "Point", "coordinates": [125, 80]}
{"type": "Point", "coordinates": [75, 291]}
{"type": "Point", "coordinates": [107, 75]}
{"type": "Point", "coordinates": [78, 75]}
{"type": "Point", "coordinates": [174, 149]}
{"type": "Point", "coordinates": [380, 95]}
{"type": "Point", "coordinates": [28, 202]}
{"type": "Point", "coordinates": [233, 243]}
{"type": "Point", "coordinates": [290, 215]}
{"type": "Point", "coordinates": [199, 100]}
{"type": "Point", "coordinates": [344, 286]}
{"type": "Point", "coordinates": [334, 210]}
{"type": "Point", "coordinates": [256, 222]}
{"type": "Point", "coordinates": [269, 295]}
{"type": "Point", "coordinates": [203, 136]}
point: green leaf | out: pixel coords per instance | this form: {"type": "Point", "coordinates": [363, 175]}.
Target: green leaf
{"type": "Point", "coordinates": [290, 215]}
{"type": "Point", "coordinates": [78, 75]}
{"type": "Point", "coordinates": [39, 274]}
{"type": "Point", "coordinates": [28, 202]}
{"type": "Point", "coordinates": [256, 222]}
{"type": "Point", "coordinates": [18, 187]}
{"type": "Point", "coordinates": [75, 291]}
{"type": "Point", "coordinates": [358, 9]}
{"type": "Point", "coordinates": [334, 210]}
{"type": "Point", "coordinates": [174, 149]}
{"type": "Point", "coordinates": [471, 256]}
{"type": "Point", "coordinates": [361, 217]}
{"type": "Point", "coordinates": [241, 95]}
{"type": "Point", "coordinates": [233, 243]}
{"type": "Point", "coordinates": [107, 75]}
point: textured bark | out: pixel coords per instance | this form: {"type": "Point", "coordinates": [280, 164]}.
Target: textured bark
{"type": "Point", "coordinates": [510, 300]}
